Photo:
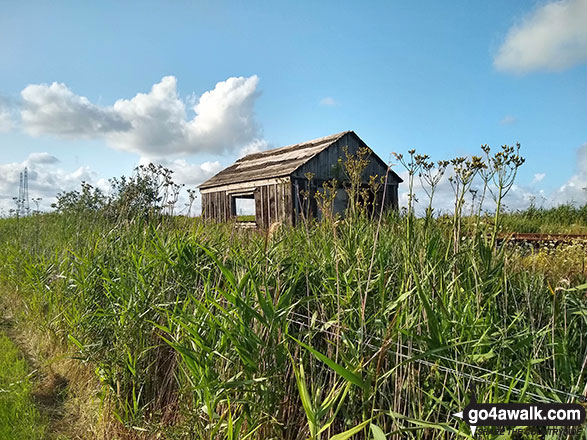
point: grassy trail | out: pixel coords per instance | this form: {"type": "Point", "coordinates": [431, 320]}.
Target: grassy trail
{"type": "Point", "coordinates": [19, 416]}
{"type": "Point", "coordinates": [30, 403]}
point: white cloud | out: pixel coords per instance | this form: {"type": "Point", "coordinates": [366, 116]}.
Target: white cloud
{"type": "Point", "coordinates": [575, 189]}
{"type": "Point", "coordinates": [56, 110]}
{"type": "Point", "coordinates": [538, 177]}
{"type": "Point", "coordinates": [551, 38]}
{"type": "Point", "coordinates": [328, 102]}
{"type": "Point", "coordinates": [191, 175]}
{"type": "Point", "coordinates": [224, 116]}
{"type": "Point", "coordinates": [188, 174]}
{"type": "Point", "coordinates": [184, 172]}
{"type": "Point", "coordinates": [255, 146]}
{"type": "Point", "coordinates": [157, 120]}
{"type": "Point", "coordinates": [519, 197]}
{"type": "Point", "coordinates": [45, 180]}
{"type": "Point", "coordinates": [442, 203]}
{"type": "Point", "coordinates": [508, 120]}
{"type": "Point", "coordinates": [154, 123]}
{"type": "Point", "coordinates": [41, 158]}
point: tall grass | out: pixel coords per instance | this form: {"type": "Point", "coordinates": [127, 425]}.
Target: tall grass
{"type": "Point", "coordinates": [374, 329]}
{"type": "Point", "coordinates": [217, 332]}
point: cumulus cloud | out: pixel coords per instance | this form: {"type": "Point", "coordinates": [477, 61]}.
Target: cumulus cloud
{"type": "Point", "coordinates": [41, 158]}
{"type": "Point", "coordinates": [188, 174]}
{"type": "Point", "coordinates": [184, 172]}
{"type": "Point", "coordinates": [44, 177]}
{"type": "Point", "coordinates": [154, 123]}
{"type": "Point", "coordinates": [225, 117]}
{"type": "Point", "coordinates": [47, 178]}
{"type": "Point", "coordinates": [56, 110]}
{"type": "Point", "coordinates": [191, 175]}
{"type": "Point", "coordinates": [443, 201]}
{"type": "Point", "coordinates": [574, 190]}
{"type": "Point", "coordinates": [521, 195]}
{"type": "Point", "coordinates": [551, 38]}
{"type": "Point", "coordinates": [255, 146]}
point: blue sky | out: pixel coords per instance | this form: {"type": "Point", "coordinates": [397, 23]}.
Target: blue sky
{"type": "Point", "coordinates": [234, 77]}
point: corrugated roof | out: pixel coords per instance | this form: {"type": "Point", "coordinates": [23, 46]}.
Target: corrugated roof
{"type": "Point", "coordinates": [278, 162]}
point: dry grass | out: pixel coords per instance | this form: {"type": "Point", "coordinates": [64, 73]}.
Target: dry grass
{"type": "Point", "coordinates": [66, 391]}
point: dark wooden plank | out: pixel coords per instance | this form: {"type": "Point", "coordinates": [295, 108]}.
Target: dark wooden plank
{"type": "Point", "coordinates": [226, 211]}
{"type": "Point", "coordinates": [262, 203]}
{"type": "Point", "coordinates": [283, 203]}
{"type": "Point", "coordinates": [267, 192]}
{"type": "Point", "coordinates": [220, 207]}
{"type": "Point", "coordinates": [288, 205]}
{"type": "Point", "coordinates": [275, 203]}
{"type": "Point", "coordinates": [258, 213]}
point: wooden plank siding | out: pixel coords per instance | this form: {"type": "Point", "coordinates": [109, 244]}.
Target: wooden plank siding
{"type": "Point", "coordinates": [215, 206]}
{"type": "Point", "coordinates": [272, 204]}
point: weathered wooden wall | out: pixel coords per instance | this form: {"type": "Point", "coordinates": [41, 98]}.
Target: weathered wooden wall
{"type": "Point", "coordinates": [310, 208]}
{"type": "Point", "coordinates": [273, 203]}
{"type": "Point", "coordinates": [216, 206]}
{"type": "Point", "coordinates": [283, 202]}
{"type": "Point", "coordinates": [324, 165]}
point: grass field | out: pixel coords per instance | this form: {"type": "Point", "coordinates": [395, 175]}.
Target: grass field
{"type": "Point", "coordinates": [311, 331]}
{"type": "Point", "coordinates": [365, 327]}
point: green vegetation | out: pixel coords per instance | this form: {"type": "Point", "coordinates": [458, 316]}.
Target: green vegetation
{"type": "Point", "coordinates": [245, 218]}
{"type": "Point", "coordinates": [373, 328]}
{"type": "Point", "coordinates": [565, 219]}
{"type": "Point", "coordinates": [19, 417]}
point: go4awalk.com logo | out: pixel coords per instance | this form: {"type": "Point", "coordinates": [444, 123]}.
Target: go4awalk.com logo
{"type": "Point", "coordinates": [521, 414]}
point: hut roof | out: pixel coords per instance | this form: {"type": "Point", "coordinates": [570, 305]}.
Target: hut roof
{"type": "Point", "coordinates": [279, 162]}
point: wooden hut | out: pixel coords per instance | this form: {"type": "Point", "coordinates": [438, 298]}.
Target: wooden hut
{"type": "Point", "coordinates": [277, 181]}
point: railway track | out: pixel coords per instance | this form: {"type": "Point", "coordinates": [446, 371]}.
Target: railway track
{"type": "Point", "coordinates": [533, 238]}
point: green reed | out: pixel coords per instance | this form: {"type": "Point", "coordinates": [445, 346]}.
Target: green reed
{"type": "Point", "coordinates": [375, 326]}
